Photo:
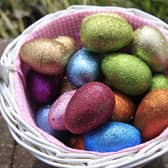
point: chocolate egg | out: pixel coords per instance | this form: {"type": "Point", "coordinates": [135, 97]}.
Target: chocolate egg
{"type": "Point", "coordinates": [57, 111]}
{"type": "Point", "coordinates": [83, 67]}
{"type": "Point", "coordinates": [112, 137]}
{"type": "Point", "coordinates": [42, 89]}
{"type": "Point", "coordinates": [89, 107]}
{"type": "Point", "coordinates": [152, 114]}
{"type": "Point", "coordinates": [124, 108]}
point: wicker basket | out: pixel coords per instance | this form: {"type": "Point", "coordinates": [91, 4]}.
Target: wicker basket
{"type": "Point", "coordinates": [16, 112]}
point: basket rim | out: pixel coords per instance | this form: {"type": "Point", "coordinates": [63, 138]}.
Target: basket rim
{"type": "Point", "coordinates": [6, 90]}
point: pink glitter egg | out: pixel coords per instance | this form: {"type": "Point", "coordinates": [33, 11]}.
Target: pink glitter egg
{"type": "Point", "coordinates": [57, 111]}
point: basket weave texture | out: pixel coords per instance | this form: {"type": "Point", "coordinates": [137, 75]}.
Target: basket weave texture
{"type": "Point", "coordinates": [19, 117]}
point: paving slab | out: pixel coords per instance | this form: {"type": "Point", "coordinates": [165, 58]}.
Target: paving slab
{"type": "Point", "coordinates": [157, 163]}
{"type": "Point", "coordinates": [6, 145]}
{"type": "Point", "coordinates": [22, 158]}
{"type": "Point", "coordinates": [164, 160]}
{"type": "Point", "coordinates": [39, 164]}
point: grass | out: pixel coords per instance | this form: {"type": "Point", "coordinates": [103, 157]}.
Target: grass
{"type": "Point", "coordinates": [16, 15]}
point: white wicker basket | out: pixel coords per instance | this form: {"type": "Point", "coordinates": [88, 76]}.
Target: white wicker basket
{"type": "Point", "coordinates": [53, 154]}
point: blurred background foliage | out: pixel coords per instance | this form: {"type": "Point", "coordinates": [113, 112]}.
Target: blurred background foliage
{"type": "Point", "coordinates": [16, 15]}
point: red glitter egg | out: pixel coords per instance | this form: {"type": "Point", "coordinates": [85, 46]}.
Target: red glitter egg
{"type": "Point", "coordinates": [89, 107]}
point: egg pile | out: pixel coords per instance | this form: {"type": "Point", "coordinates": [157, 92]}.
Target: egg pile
{"type": "Point", "coordinates": [104, 98]}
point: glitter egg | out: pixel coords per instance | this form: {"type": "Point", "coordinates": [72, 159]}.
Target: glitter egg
{"type": "Point", "coordinates": [66, 85]}
{"type": "Point", "coordinates": [76, 141]}
{"type": "Point", "coordinates": [41, 119]}
{"type": "Point", "coordinates": [152, 114]}
{"type": "Point", "coordinates": [124, 108]}
{"type": "Point", "coordinates": [83, 67]}
{"type": "Point", "coordinates": [89, 107]}
{"type": "Point", "coordinates": [126, 73]}
{"type": "Point", "coordinates": [112, 137]}
{"type": "Point", "coordinates": [57, 111]}
{"type": "Point", "coordinates": [159, 81]}
{"type": "Point", "coordinates": [150, 45]}
{"type": "Point", "coordinates": [42, 89]}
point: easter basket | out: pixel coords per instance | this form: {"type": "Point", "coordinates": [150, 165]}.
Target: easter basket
{"type": "Point", "coordinates": [16, 111]}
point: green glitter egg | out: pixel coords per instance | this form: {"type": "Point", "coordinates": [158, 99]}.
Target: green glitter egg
{"type": "Point", "coordinates": [127, 73]}
{"type": "Point", "coordinates": [103, 32]}
{"type": "Point", "coordinates": [159, 81]}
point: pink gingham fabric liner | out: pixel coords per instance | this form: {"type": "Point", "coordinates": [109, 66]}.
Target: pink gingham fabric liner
{"type": "Point", "coordinates": [69, 25]}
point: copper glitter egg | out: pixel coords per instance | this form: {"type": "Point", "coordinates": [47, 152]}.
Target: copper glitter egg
{"type": "Point", "coordinates": [124, 108]}
{"type": "Point", "coordinates": [76, 141]}
{"type": "Point", "coordinates": [152, 114]}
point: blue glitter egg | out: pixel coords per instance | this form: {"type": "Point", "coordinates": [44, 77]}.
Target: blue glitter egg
{"type": "Point", "coordinates": [41, 119]}
{"type": "Point", "coordinates": [83, 67]}
{"type": "Point", "coordinates": [112, 137]}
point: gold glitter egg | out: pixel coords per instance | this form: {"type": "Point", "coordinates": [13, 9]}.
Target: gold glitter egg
{"type": "Point", "coordinates": [45, 56]}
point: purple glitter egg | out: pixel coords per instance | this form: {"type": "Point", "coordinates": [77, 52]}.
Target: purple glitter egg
{"type": "Point", "coordinates": [42, 89]}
